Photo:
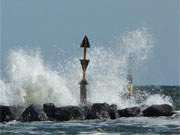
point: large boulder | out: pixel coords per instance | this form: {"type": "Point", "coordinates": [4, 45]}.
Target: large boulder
{"type": "Point", "coordinates": [85, 110]}
{"type": "Point", "coordinates": [65, 113]}
{"type": "Point", "coordinates": [99, 111]}
{"type": "Point", "coordinates": [158, 110]}
{"type": "Point", "coordinates": [113, 112]}
{"type": "Point", "coordinates": [130, 112]}
{"type": "Point", "coordinates": [6, 114]}
{"type": "Point", "coordinates": [49, 109]}
{"type": "Point", "coordinates": [33, 113]}
{"type": "Point", "coordinates": [68, 113]}
{"type": "Point", "coordinates": [17, 111]}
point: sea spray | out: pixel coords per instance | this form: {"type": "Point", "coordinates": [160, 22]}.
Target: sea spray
{"type": "Point", "coordinates": [158, 99]}
{"type": "Point", "coordinates": [4, 98]}
{"type": "Point", "coordinates": [30, 80]}
{"type": "Point", "coordinates": [109, 67]}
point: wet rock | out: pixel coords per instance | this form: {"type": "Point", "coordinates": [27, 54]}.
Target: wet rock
{"type": "Point", "coordinates": [17, 111]}
{"type": "Point", "coordinates": [68, 113]}
{"type": "Point", "coordinates": [6, 114]}
{"type": "Point", "coordinates": [85, 110]}
{"type": "Point", "coordinates": [33, 113]}
{"type": "Point", "coordinates": [49, 109]}
{"type": "Point", "coordinates": [113, 112]}
{"type": "Point", "coordinates": [65, 113]}
{"type": "Point", "coordinates": [159, 110]}
{"type": "Point", "coordinates": [99, 111]}
{"type": "Point", "coordinates": [130, 112]}
{"type": "Point", "coordinates": [142, 108]}
{"type": "Point", "coordinates": [95, 111]}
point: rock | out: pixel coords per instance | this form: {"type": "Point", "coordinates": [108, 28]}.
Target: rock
{"type": "Point", "coordinates": [49, 109]}
{"type": "Point", "coordinates": [85, 110]}
{"type": "Point", "coordinates": [96, 111]}
{"type": "Point", "coordinates": [99, 111]}
{"type": "Point", "coordinates": [17, 111]}
{"type": "Point", "coordinates": [33, 113]}
{"type": "Point", "coordinates": [63, 113]}
{"type": "Point", "coordinates": [142, 107]}
{"type": "Point", "coordinates": [113, 112]}
{"type": "Point", "coordinates": [159, 110]}
{"type": "Point", "coordinates": [68, 113]}
{"type": "Point", "coordinates": [6, 114]}
{"type": "Point", "coordinates": [130, 112]}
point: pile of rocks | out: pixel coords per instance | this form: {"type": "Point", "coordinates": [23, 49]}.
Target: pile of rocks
{"type": "Point", "coordinates": [95, 111]}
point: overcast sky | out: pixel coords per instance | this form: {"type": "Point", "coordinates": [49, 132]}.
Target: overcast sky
{"type": "Point", "coordinates": [45, 24]}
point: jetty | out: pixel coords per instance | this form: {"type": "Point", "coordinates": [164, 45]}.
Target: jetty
{"type": "Point", "coordinates": [50, 112]}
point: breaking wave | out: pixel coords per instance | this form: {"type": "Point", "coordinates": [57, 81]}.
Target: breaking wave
{"type": "Point", "coordinates": [29, 80]}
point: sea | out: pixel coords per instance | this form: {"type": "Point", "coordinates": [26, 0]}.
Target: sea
{"type": "Point", "coordinates": [121, 126]}
{"type": "Point", "coordinates": [27, 78]}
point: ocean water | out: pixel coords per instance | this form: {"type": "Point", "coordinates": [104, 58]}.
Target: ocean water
{"type": "Point", "coordinates": [121, 126]}
{"type": "Point", "coordinates": [28, 79]}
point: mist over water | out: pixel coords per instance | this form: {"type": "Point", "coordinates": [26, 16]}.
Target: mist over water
{"type": "Point", "coordinates": [29, 80]}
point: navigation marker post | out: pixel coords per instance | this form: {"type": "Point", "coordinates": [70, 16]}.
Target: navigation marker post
{"type": "Point", "coordinates": [130, 77]}
{"type": "Point", "coordinates": [84, 63]}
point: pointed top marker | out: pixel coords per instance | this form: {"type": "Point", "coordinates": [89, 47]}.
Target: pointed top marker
{"type": "Point", "coordinates": [84, 64]}
{"type": "Point", "coordinates": [85, 42]}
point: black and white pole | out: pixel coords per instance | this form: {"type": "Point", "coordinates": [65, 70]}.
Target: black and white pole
{"type": "Point", "coordinates": [84, 63]}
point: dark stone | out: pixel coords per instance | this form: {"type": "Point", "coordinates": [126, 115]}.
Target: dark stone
{"type": "Point", "coordinates": [113, 112]}
{"type": "Point", "coordinates": [49, 109]}
{"type": "Point", "coordinates": [65, 113]}
{"type": "Point", "coordinates": [33, 113]}
{"type": "Point", "coordinates": [129, 112]}
{"type": "Point", "coordinates": [85, 110]}
{"type": "Point", "coordinates": [68, 113]}
{"type": "Point", "coordinates": [6, 114]}
{"type": "Point", "coordinates": [159, 110]}
{"type": "Point", "coordinates": [142, 107]}
{"type": "Point", "coordinates": [95, 111]}
{"type": "Point", "coordinates": [17, 111]}
{"type": "Point", "coordinates": [99, 111]}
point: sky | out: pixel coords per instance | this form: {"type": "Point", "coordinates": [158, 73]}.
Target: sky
{"type": "Point", "coordinates": [53, 24]}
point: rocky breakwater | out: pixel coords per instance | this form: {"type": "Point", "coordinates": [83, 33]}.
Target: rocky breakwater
{"type": "Point", "coordinates": [94, 111]}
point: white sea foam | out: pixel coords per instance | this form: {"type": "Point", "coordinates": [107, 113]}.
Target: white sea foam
{"type": "Point", "coordinates": [30, 80]}
{"type": "Point", "coordinates": [157, 99]}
